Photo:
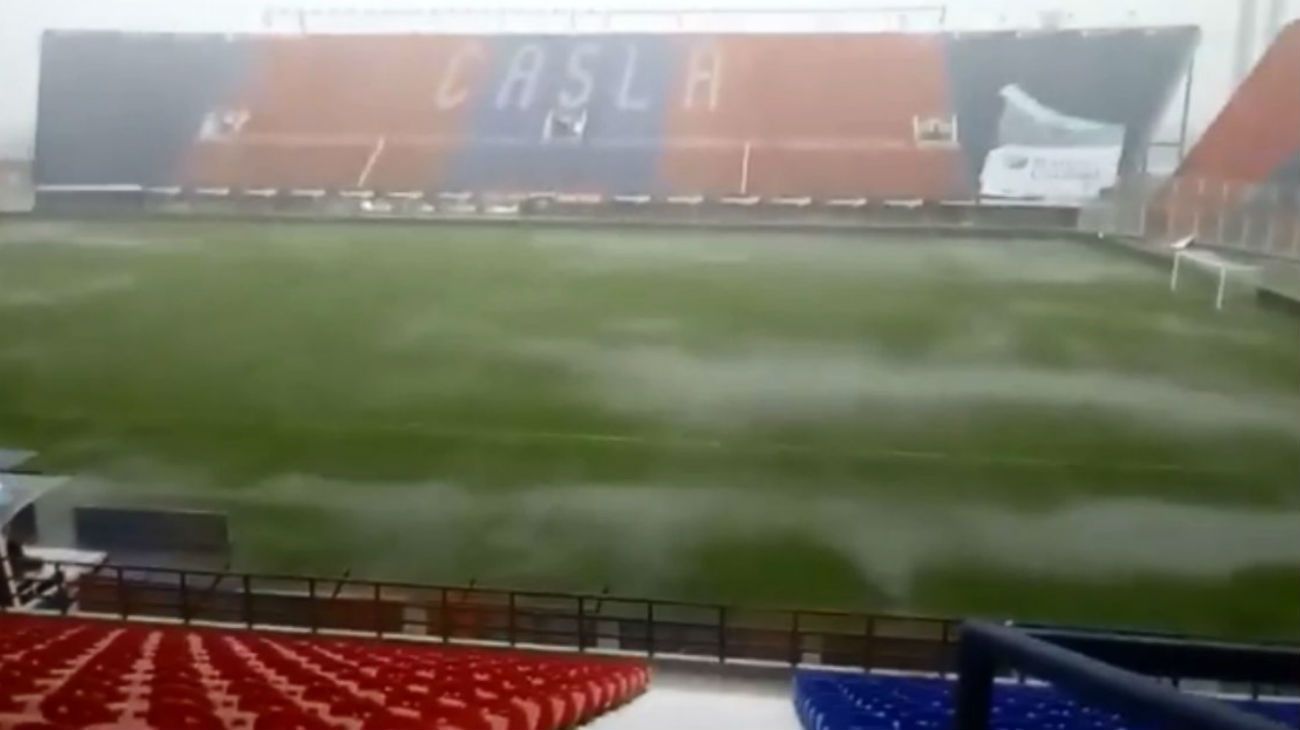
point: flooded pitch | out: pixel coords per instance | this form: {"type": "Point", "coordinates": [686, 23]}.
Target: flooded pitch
{"type": "Point", "coordinates": [1018, 428]}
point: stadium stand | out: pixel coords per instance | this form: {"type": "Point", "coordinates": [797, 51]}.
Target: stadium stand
{"type": "Point", "coordinates": [1063, 680]}
{"type": "Point", "coordinates": [284, 120]}
{"type": "Point", "coordinates": [62, 673]}
{"type": "Point", "coordinates": [839, 701]}
{"type": "Point", "coordinates": [1239, 186]}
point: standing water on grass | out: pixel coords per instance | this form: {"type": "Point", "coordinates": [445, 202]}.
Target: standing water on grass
{"type": "Point", "coordinates": [1027, 428]}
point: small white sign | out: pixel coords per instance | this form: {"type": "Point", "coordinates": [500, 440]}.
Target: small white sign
{"type": "Point", "coordinates": [1067, 174]}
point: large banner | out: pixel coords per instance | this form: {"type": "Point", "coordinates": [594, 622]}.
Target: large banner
{"type": "Point", "coordinates": [1050, 174]}
{"type": "Point", "coordinates": [1045, 155]}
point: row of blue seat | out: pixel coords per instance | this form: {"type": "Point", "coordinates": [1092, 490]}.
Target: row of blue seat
{"type": "Point", "coordinates": [839, 701]}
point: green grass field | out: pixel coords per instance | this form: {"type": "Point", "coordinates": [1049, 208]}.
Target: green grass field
{"type": "Point", "coordinates": [1033, 429]}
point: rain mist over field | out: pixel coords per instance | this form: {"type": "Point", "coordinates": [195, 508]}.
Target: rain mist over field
{"type": "Point", "coordinates": [900, 423]}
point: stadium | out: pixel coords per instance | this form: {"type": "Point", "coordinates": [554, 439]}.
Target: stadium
{"type": "Point", "coordinates": [525, 376]}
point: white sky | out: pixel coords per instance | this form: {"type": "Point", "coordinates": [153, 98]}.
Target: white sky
{"type": "Point", "coordinates": [22, 21]}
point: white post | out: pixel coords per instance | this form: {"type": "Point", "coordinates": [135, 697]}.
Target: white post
{"type": "Point", "coordinates": [10, 585]}
{"type": "Point", "coordinates": [744, 168]}
{"type": "Point", "coordinates": [1272, 217]}
{"type": "Point", "coordinates": [1196, 214]}
{"type": "Point", "coordinates": [1244, 241]}
{"type": "Point", "coordinates": [1143, 212]}
{"type": "Point", "coordinates": [1173, 280]}
{"type": "Point", "coordinates": [371, 161]}
{"type": "Point", "coordinates": [1223, 284]}
{"type": "Point", "coordinates": [1224, 210]}
{"type": "Point", "coordinates": [1172, 223]}
{"type": "Point", "coordinates": [1116, 210]}
{"type": "Point", "coordinates": [1295, 229]}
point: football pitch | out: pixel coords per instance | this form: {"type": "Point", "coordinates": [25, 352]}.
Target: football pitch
{"type": "Point", "coordinates": [1034, 429]}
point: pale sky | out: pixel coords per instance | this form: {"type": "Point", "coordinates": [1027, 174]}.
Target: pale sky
{"type": "Point", "coordinates": [22, 21]}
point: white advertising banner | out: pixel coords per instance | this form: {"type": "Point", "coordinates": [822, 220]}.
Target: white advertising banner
{"type": "Point", "coordinates": [1065, 174]}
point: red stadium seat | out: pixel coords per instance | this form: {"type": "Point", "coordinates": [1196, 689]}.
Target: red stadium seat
{"type": "Point", "coordinates": [389, 721]}
{"type": "Point", "coordinates": [515, 716]}
{"type": "Point", "coordinates": [76, 710]}
{"type": "Point", "coordinates": [183, 717]}
{"type": "Point", "coordinates": [325, 692]}
{"type": "Point", "coordinates": [355, 709]}
{"type": "Point", "coordinates": [179, 678]}
{"type": "Point", "coordinates": [289, 720]}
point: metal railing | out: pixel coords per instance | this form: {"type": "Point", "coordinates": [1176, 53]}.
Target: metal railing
{"type": "Point", "coordinates": [1143, 701]}
{"type": "Point", "coordinates": [727, 210]}
{"type": "Point", "coordinates": [351, 17]}
{"type": "Point", "coordinates": [570, 621]}
{"type": "Point", "coordinates": [1262, 220]}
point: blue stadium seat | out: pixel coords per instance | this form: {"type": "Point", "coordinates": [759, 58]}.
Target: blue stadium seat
{"type": "Point", "coordinates": [839, 701]}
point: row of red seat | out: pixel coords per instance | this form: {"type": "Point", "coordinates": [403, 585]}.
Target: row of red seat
{"type": "Point", "coordinates": [73, 674]}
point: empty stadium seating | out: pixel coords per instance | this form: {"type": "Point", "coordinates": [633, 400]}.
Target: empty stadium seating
{"type": "Point", "coordinates": [835, 701]}
{"type": "Point", "coordinates": [75, 674]}
{"type": "Point", "coordinates": [678, 114]}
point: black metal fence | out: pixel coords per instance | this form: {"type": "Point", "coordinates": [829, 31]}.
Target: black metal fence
{"type": "Point", "coordinates": [572, 621]}
{"type": "Point", "coordinates": [1144, 702]}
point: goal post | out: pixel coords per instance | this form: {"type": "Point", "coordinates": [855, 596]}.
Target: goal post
{"type": "Point", "coordinates": [1221, 268]}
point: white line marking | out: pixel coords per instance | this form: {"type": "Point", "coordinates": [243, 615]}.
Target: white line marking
{"type": "Point", "coordinates": [515, 436]}
{"type": "Point", "coordinates": [911, 203]}
{"type": "Point", "coordinates": [580, 198]}
{"type": "Point", "coordinates": [795, 202]}
{"type": "Point", "coordinates": [685, 199]}
{"type": "Point", "coordinates": [113, 188]}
